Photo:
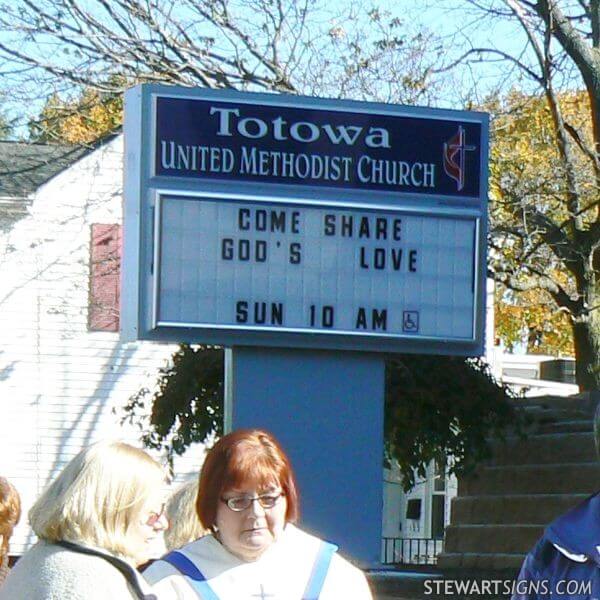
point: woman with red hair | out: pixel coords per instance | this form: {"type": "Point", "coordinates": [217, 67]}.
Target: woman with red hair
{"type": "Point", "coordinates": [248, 500]}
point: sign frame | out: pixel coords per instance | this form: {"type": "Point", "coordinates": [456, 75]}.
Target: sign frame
{"type": "Point", "coordinates": [143, 189]}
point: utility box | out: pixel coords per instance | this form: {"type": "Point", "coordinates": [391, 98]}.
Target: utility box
{"type": "Point", "coordinates": [560, 369]}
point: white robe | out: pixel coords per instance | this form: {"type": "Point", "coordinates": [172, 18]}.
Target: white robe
{"type": "Point", "coordinates": [281, 573]}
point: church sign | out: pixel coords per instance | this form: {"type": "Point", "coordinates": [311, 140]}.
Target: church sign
{"type": "Point", "coordinates": [259, 219]}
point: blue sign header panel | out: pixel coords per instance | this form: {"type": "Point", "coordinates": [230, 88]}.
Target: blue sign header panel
{"type": "Point", "coordinates": [278, 220]}
{"type": "Point", "coordinates": [249, 141]}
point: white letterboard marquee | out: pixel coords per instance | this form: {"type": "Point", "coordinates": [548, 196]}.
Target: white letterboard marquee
{"type": "Point", "coordinates": [286, 221]}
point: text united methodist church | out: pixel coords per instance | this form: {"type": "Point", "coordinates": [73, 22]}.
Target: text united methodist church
{"type": "Point", "coordinates": [253, 161]}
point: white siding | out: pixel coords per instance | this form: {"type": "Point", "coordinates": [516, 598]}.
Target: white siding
{"type": "Point", "coordinates": [59, 383]}
{"type": "Point", "coordinates": [394, 500]}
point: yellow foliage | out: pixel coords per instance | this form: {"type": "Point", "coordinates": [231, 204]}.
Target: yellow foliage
{"type": "Point", "coordinates": [527, 172]}
{"type": "Point", "coordinates": [534, 322]}
{"type": "Point", "coordinates": [83, 121]}
{"type": "Point", "coordinates": [525, 152]}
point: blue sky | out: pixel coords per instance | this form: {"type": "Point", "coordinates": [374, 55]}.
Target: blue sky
{"type": "Point", "coordinates": [456, 26]}
{"type": "Point", "coordinates": [460, 27]}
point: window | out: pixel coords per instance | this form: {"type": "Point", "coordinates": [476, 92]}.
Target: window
{"type": "Point", "coordinates": [413, 508]}
{"type": "Point", "coordinates": [105, 272]}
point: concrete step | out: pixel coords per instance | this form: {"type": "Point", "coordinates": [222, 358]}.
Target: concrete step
{"type": "Point", "coordinates": [542, 413]}
{"type": "Point", "coordinates": [546, 448]}
{"type": "Point", "coordinates": [444, 584]}
{"type": "Point", "coordinates": [522, 509]}
{"type": "Point", "coordinates": [510, 562]}
{"type": "Point", "coordinates": [501, 512]}
{"type": "Point", "coordinates": [567, 478]}
{"type": "Point", "coordinates": [585, 401]}
{"type": "Point", "coordinates": [565, 426]}
{"type": "Point", "coordinates": [491, 539]}
{"type": "Point", "coordinates": [404, 584]}
{"type": "Point", "coordinates": [556, 412]}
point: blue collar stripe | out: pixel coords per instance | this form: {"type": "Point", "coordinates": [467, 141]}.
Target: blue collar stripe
{"type": "Point", "coordinates": [195, 577]}
{"type": "Point", "coordinates": [313, 589]}
{"type": "Point", "coordinates": [319, 571]}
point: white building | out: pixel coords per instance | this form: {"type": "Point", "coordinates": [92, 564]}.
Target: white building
{"type": "Point", "coordinates": [414, 522]}
{"type": "Point", "coordinates": [63, 370]}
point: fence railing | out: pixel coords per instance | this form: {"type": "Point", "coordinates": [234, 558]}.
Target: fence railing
{"type": "Point", "coordinates": [410, 551]}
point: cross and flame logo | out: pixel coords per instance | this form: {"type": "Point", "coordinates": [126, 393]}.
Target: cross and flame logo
{"type": "Point", "coordinates": [454, 157]}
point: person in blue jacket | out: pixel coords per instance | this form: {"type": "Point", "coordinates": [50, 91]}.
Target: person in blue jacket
{"type": "Point", "coordinates": [565, 562]}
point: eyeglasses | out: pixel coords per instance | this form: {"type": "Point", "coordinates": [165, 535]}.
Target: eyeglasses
{"type": "Point", "coordinates": [155, 517]}
{"type": "Point", "coordinates": [239, 503]}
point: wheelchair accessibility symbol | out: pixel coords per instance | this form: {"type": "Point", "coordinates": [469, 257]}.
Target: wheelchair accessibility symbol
{"type": "Point", "coordinates": [410, 321]}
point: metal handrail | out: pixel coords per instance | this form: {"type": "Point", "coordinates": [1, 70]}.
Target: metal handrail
{"type": "Point", "coordinates": [410, 551]}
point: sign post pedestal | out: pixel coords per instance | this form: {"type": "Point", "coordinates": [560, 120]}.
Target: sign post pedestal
{"type": "Point", "coordinates": [326, 409]}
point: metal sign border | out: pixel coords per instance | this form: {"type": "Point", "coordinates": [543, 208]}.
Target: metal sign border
{"type": "Point", "coordinates": [156, 323]}
{"type": "Point", "coordinates": [142, 188]}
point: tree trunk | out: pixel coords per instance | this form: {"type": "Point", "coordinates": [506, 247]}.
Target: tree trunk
{"type": "Point", "coordinates": [586, 336]}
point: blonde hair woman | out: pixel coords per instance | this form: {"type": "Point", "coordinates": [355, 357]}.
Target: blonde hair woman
{"type": "Point", "coordinates": [95, 523]}
{"type": "Point", "coordinates": [10, 513]}
{"type": "Point", "coordinates": [184, 524]}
